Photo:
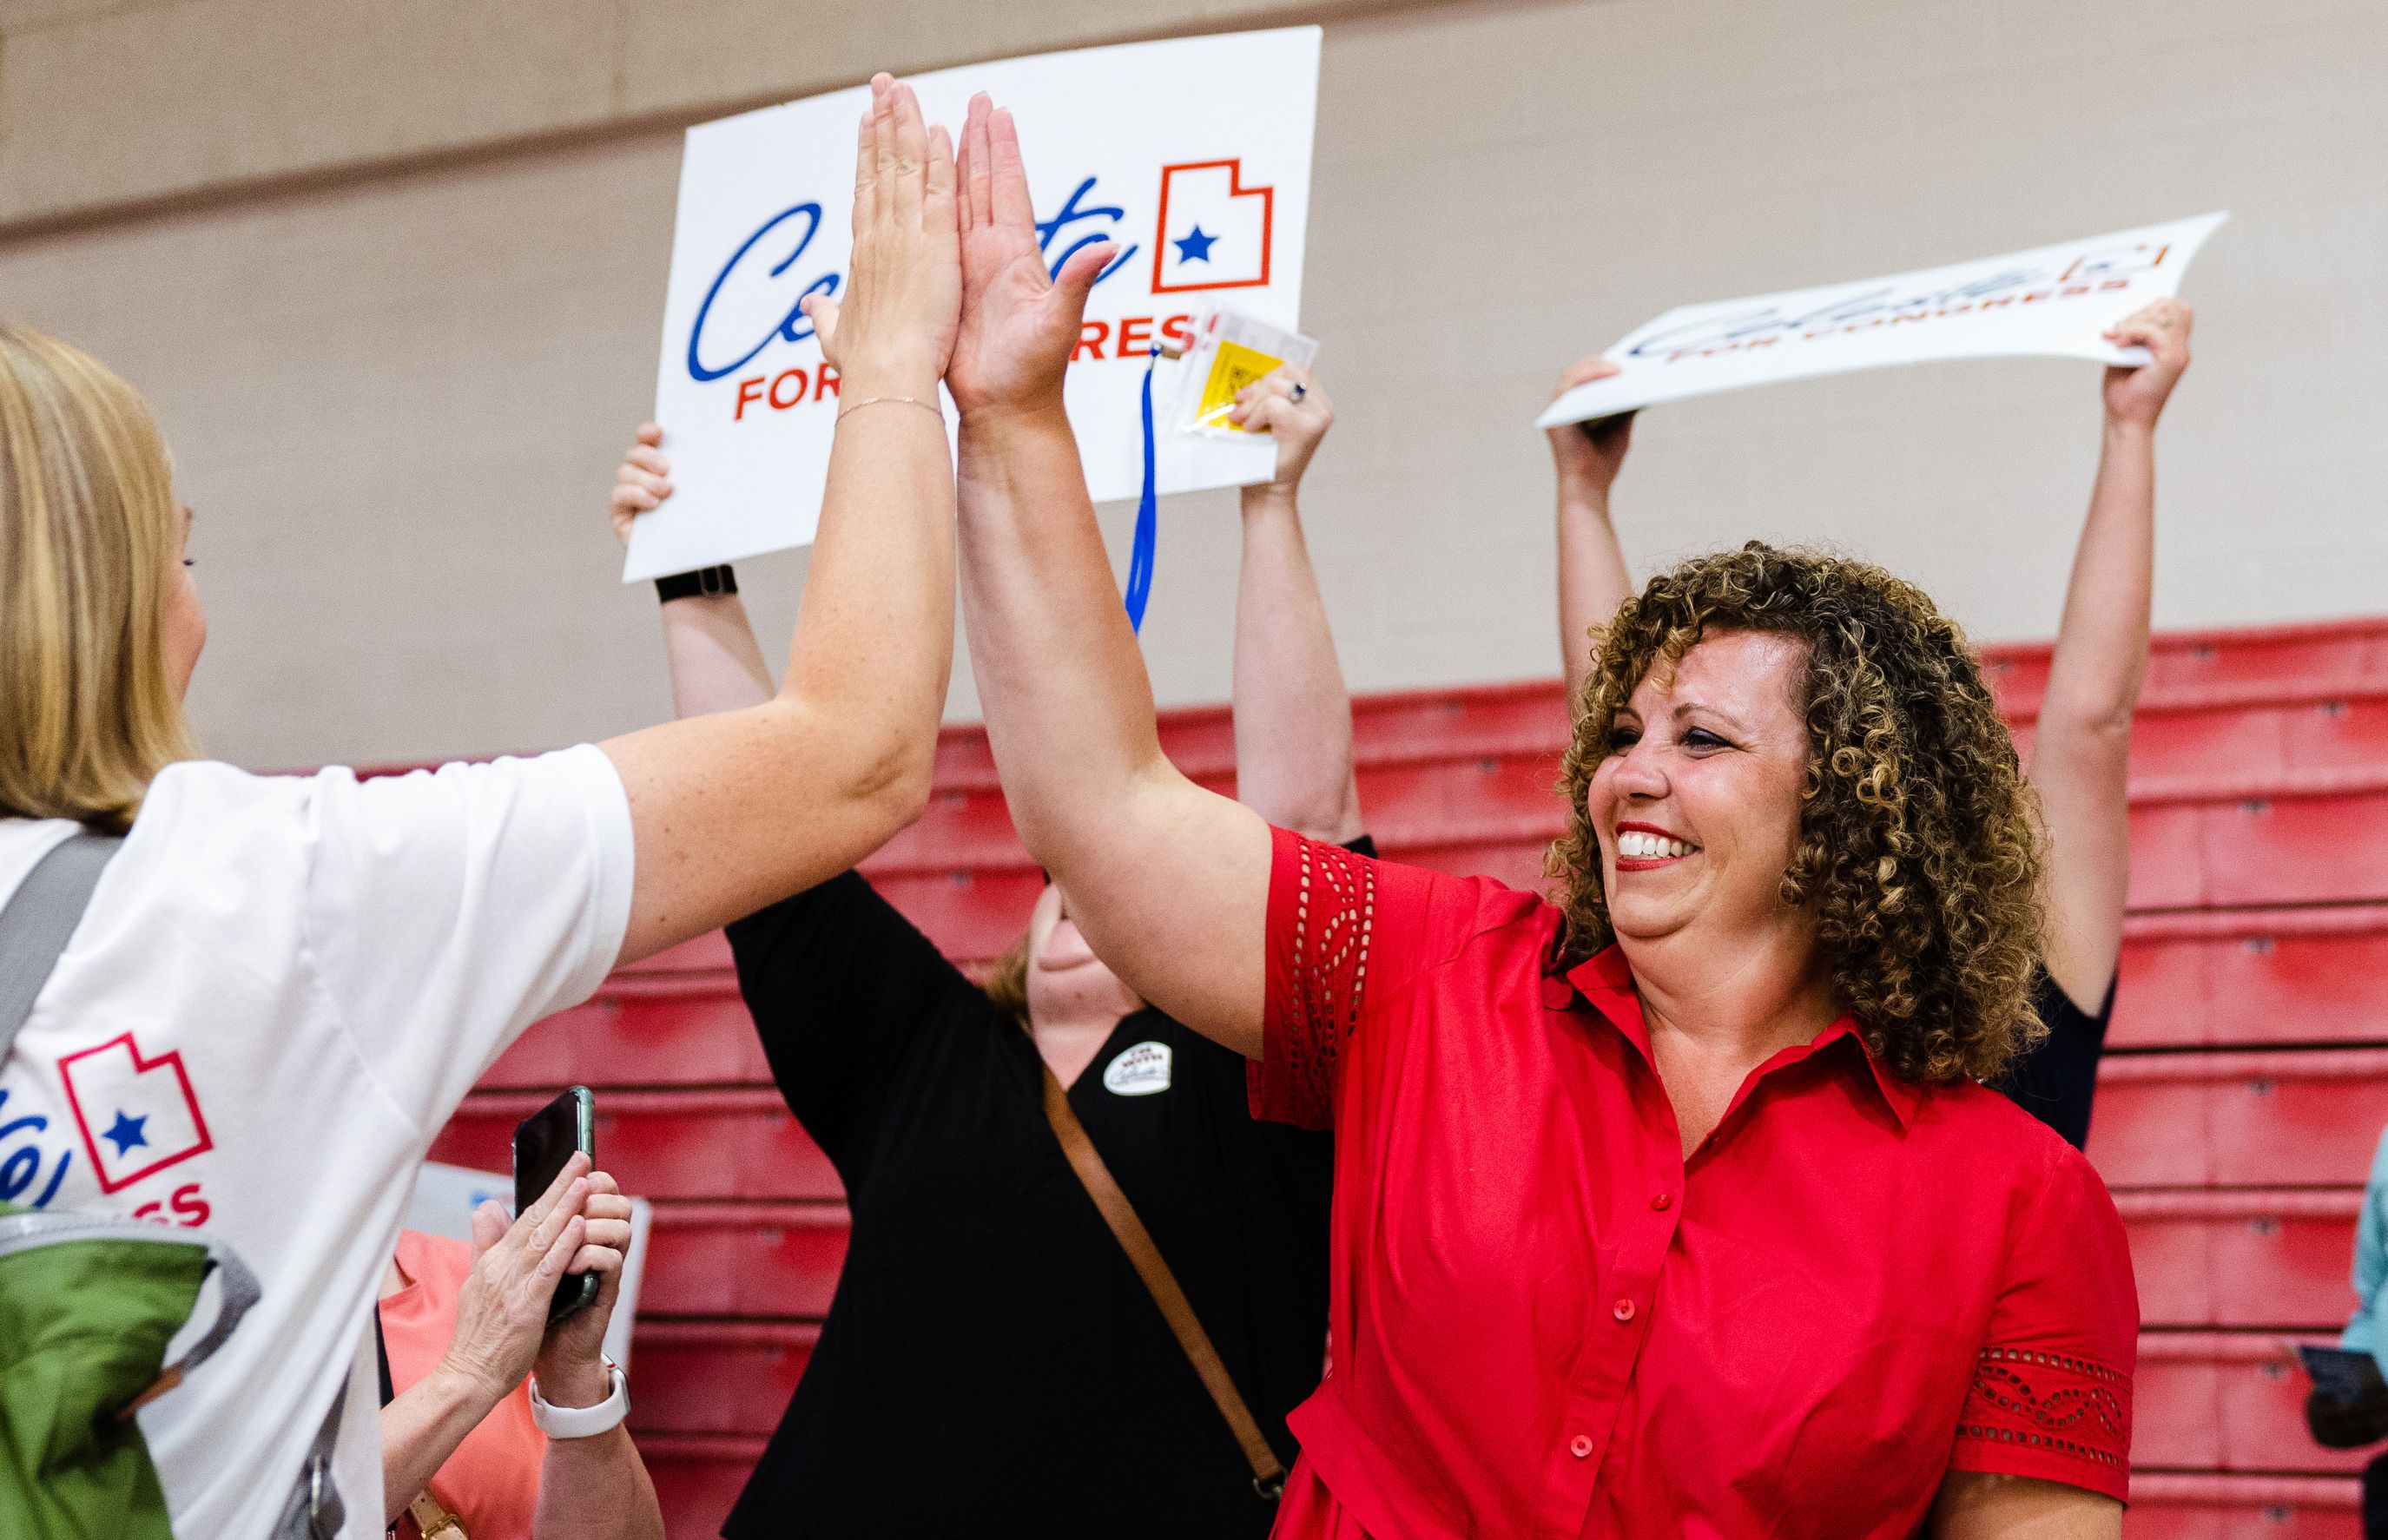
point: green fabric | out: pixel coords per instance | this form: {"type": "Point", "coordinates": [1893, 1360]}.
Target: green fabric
{"type": "Point", "coordinates": [84, 1329]}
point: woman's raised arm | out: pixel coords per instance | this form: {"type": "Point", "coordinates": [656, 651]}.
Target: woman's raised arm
{"type": "Point", "coordinates": [1168, 881]}
{"type": "Point", "coordinates": [710, 645]}
{"type": "Point", "coordinates": [735, 809]}
{"type": "Point", "coordinates": [2080, 760]}
{"type": "Point", "coordinates": [1293, 711]}
{"type": "Point", "coordinates": [1594, 579]}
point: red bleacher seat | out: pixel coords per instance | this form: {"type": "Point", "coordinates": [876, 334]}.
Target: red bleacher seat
{"type": "Point", "coordinates": [2246, 1082]}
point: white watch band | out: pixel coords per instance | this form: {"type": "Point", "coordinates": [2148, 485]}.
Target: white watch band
{"type": "Point", "coordinates": [582, 1421]}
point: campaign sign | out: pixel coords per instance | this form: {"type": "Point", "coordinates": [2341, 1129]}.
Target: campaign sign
{"type": "Point", "coordinates": [2051, 302]}
{"type": "Point", "coordinates": [1191, 156]}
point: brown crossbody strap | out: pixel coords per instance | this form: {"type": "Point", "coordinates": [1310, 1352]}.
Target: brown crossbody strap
{"type": "Point", "coordinates": [1268, 1475]}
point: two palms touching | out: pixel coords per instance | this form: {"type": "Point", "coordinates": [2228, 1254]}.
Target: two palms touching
{"type": "Point", "coordinates": [947, 280]}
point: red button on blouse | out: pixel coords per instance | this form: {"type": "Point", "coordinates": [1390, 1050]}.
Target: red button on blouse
{"type": "Point", "coordinates": [1863, 1283]}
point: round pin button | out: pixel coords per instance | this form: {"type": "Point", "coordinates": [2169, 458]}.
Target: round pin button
{"type": "Point", "coordinates": [1624, 1310]}
{"type": "Point", "coordinates": [1663, 1200]}
{"type": "Point", "coordinates": [1580, 1446]}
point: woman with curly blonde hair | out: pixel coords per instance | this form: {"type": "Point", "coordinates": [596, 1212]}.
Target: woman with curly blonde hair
{"type": "Point", "coordinates": [1676, 1211]}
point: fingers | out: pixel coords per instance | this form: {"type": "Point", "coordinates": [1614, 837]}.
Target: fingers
{"type": "Point", "coordinates": [822, 310]}
{"type": "Point", "coordinates": [561, 1202]}
{"type": "Point", "coordinates": [976, 169]}
{"type": "Point", "coordinates": [557, 1257]}
{"type": "Point", "coordinates": [650, 434]}
{"type": "Point", "coordinates": [882, 130]}
{"type": "Point", "coordinates": [488, 1226]}
{"type": "Point", "coordinates": [937, 199]}
{"type": "Point", "coordinates": [1583, 372]}
{"type": "Point", "coordinates": [910, 165]}
{"type": "Point", "coordinates": [866, 166]}
{"type": "Point", "coordinates": [1008, 186]}
{"type": "Point", "coordinates": [647, 458]}
{"type": "Point", "coordinates": [1078, 274]}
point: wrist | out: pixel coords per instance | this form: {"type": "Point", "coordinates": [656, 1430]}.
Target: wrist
{"type": "Point", "coordinates": [581, 1382]}
{"type": "Point", "coordinates": [1583, 499]}
{"type": "Point", "coordinates": [1000, 421]}
{"type": "Point", "coordinates": [918, 381]}
{"type": "Point", "coordinates": [2127, 429]}
{"type": "Point", "coordinates": [463, 1384]}
{"type": "Point", "coordinates": [1271, 496]}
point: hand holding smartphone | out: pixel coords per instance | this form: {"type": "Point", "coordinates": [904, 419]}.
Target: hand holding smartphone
{"type": "Point", "coordinates": [543, 1141]}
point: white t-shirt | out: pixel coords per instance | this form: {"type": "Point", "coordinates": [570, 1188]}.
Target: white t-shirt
{"type": "Point", "coordinates": [282, 989]}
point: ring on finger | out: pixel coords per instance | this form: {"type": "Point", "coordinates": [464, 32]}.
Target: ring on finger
{"type": "Point", "coordinates": [1300, 390]}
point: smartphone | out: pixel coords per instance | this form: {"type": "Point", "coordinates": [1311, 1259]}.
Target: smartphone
{"type": "Point", "coordinates": [543, 1141]}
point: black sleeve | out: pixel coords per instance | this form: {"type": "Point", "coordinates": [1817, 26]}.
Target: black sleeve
{"type": "Point", "coordinates": [840, 986]}
{"type": "Point", "coordinates": [2056, 1081]}
{"type": "Point", "coordinates": [1365, 845]}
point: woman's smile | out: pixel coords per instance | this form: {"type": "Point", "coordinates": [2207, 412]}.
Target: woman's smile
{"type": "Point", "coordinates": [1646, 847]}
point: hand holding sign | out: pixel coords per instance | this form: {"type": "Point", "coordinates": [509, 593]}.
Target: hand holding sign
{"type": "Point", "coordinates": [1287, 405]}
{"type": "Point", "coordinates": [1590, 454]}
{"type": "Point", "coordinates": [894, 337]}
{"type": "Point", "coordinates": [2136, 393]}
{"type": "Point", "coordinates": [1019, 322]}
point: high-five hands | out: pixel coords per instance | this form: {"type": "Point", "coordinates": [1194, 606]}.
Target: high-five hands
{"type": "Point", "coordinates": [1019, 323]}
{"type": "Point", "coordinates": [894, 333]}
{"type": "Point", "coordinates": [2136, 394]}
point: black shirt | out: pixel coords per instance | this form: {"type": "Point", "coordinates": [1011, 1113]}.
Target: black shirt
{"type": "Point", "coordinates": [991, 1364]}
{"type": "Point", "coordinates": [2056, 1081]}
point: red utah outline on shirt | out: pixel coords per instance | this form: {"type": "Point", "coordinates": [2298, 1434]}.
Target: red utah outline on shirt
{"type": "Point", "coordinates": [142, 1067]}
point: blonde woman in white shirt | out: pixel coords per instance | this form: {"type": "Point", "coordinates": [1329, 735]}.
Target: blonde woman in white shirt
{"type": "Point", "coordinates": [283, 986]}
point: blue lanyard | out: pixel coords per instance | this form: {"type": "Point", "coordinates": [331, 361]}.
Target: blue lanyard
{"type": "Point", "coordinates": [1148, 518]}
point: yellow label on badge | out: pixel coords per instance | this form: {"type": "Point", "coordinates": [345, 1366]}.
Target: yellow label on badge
{"type": "Point", "coordinates": [1235, 366]}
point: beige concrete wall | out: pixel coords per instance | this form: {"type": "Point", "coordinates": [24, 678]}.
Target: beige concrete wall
{"type": "Point", "coordinates": [395, 286]}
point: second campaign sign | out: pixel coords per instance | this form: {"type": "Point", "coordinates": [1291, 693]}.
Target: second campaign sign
{"type": "Point", "coordinates": [1191, 156]}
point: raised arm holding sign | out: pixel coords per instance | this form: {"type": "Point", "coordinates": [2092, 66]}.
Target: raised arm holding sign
{"type": "Point", "coordinates": [2055, 301]}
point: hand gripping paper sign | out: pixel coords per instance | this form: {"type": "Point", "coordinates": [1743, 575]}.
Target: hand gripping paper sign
{"type": "Point", "coordinates": [2053, 302]}
{"type": "Point", "coordinates": [1191, 156]}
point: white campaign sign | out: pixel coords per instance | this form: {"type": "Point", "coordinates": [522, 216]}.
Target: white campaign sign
{"type": "Point", "coordinates": [1192, 156]}
{"type": "Point", "coordinates": [2054, 301]}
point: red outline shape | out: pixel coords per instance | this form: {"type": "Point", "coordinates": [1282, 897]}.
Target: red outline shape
{"type": "Point", "coordinates": [140, 1067]}
{"type": "Point", "coordinates": [1236, 188]}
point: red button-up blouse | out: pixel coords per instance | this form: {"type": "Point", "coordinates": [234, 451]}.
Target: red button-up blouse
{"type": "Point", "coordinates": [1546, 1321]}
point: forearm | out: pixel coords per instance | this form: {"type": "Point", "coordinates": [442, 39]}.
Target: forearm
{"type": "Point", "coordinates": [1168, 881]}
{"type": "Point", "coordinates": [2101, 643]}
{"type": "Point", "coordinates": [421, 1427]}
{"type": "Point", "coordinates": [1292, 712]}
{"type": "Point", "coordinates": [710, 650]}
{"type": "Point", "coordinates": [874, 640]}
{"type": "Point", "coordinates": [739, 809]}
{"type": "Point", "coordinates": [596, 1488]}
{"type": "Point", "coordinates": [1593, 579]}
{"type": "Point", "coordinates": [1069, 710]}
{"type": "Point", "coordinates": [2082, 742]}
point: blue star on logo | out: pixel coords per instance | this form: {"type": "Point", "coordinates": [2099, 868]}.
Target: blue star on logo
{"type": "Point", "coordinates": [125, 1134]}
{"type": "Point", "coordinates": [1196, 246]}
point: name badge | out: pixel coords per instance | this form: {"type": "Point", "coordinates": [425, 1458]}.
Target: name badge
{"type": "Point", "coordinates": [1138, 1071]}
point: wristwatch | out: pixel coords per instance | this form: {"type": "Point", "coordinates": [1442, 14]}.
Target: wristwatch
{"type": "Point", "coordinates": [711, 582]}
{"type": "Point", "coordinates": [583, 1421]}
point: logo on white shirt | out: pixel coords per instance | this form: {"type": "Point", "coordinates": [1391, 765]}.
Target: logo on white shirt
{"type": "Point", "coordinates": [1138, 1071]}
{"type": "Point", "coordinates": [138, 1115]}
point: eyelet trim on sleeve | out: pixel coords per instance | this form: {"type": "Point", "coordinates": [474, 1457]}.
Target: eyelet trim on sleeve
{"type": "Point", "coordinates": [2053, 1403]}
{"type": "Point", "coordinates": [1334, 914]}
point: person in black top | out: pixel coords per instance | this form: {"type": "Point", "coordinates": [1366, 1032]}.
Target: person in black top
{"type": "Point", "coordinates": [2080, 753]}
{"type": "Point", "coordinates": [992, 1365]}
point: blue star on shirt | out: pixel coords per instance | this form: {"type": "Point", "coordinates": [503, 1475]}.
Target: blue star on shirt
{"type": "Point", "coordinates": [126, 1132]}
{"type": "Point", "coordinates": [1196, 246]}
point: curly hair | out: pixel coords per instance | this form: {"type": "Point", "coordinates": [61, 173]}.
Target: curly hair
{"type": "Point", "coordinates": [1917, 849]}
